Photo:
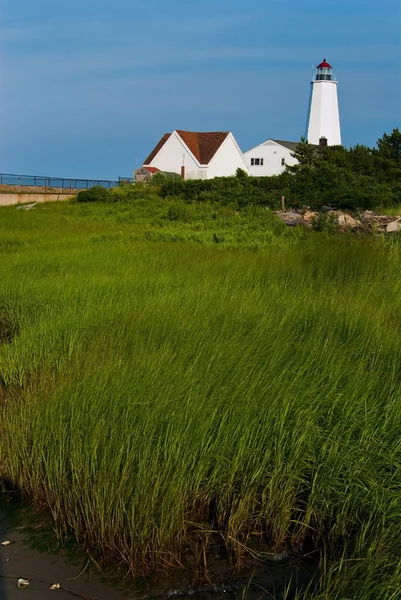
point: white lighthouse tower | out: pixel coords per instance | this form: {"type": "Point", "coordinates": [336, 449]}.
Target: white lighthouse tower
{"type": "Point", "coordinates": [324, 118]}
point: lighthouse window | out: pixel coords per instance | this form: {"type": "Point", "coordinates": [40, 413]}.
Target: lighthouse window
{"type": "Point", "coordinates": [282, 162]}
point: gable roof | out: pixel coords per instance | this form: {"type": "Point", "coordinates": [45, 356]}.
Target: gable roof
{"type": "Point", "coordinates": [157, 148]}
{"type": "Point", "coordinates": [289, 145]}
{"type": "Point", "coordinates": [204, 144]}
{"type": "Point", "coordinates": [151, 169]}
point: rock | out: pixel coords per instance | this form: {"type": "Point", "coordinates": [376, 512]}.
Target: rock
{"type": "Point", "coordinates": [368, 215]}
{"type": "Point", "coordinates": [393, 227]}
{"type": "Point", "coordinates": [326, 209]}
{"type": "Point", "coordinates": [310, 215]}
{"type": "Point", "coordinates": [347, 221]}
{"type": "Point", "coordinates": [6, 543]}
{"type": "Point", "coordinates": [291, 219]}
{"type": "Point", "coordinates": [26, 206]}
{"type": "Point", "coordinates": [22, 583]}
{"type": "Point", "coordinates": [384, 219]}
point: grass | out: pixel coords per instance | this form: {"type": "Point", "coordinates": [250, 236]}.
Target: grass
{"type": "Point", "coordinates": [155, 392]}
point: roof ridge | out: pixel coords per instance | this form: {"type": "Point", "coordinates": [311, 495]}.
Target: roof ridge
{"type": "Point", "coordinates": [203, 144]}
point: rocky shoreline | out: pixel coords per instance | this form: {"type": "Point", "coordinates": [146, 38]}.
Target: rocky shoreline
{"type": "Point", "coordinates": [328, 217]}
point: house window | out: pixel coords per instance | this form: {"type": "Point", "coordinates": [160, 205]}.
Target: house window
{"type": "Point", "coordinates": [282, 162]}
{"type": "Point", "coordinates": [256, 162]}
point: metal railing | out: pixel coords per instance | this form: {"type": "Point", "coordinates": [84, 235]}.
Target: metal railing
{"type": "Point", "coordinates": [64, 183]}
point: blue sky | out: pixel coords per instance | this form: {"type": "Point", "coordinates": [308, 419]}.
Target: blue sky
{"type": "Point", "coordinates": [89, 86]}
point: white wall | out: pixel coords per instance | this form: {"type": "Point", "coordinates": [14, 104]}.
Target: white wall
{"type": "Point", "coordinates": [170, 157]}
{"type": "Point", "coordinates": [324, 118]}
{"type": "Point", "coordinates": [227, 159]}
{"type": "Point", "coordinates": [272, 154]}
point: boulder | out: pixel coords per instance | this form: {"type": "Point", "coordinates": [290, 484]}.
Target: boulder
{"type": "Point", "coordinates": [347, 221]}
{"type": "Point", "coordinates": [325, 208]}
{"type": "Point", "coordinates": [393, 227]}
{"type": "Point", "coordinates": [310, 215]}
{"type": "Point", "coordinates": [368, 215]}
{"type": "Point", "coordinates": [291, 218]}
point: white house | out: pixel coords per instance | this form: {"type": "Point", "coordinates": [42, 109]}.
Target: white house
{"type": "Point", "coordinates": [197, 155]}
{"type": "Point", "coordinates": [270, 158]}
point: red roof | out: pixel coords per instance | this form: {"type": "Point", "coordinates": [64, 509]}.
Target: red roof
{"type": "Point", "coordinates": [204, 144]}
{"type": "Point", "coordinates": [151, 169]}
{"type": "Point", "coordinates": [324, 65]}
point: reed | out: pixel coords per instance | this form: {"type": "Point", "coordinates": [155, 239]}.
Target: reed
{"type": "Point", "coordinates": [155, 392]}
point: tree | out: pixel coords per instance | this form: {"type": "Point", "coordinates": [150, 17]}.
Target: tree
{"type": "Point", "coordinates": [307, 156]}
{"type": "Point", "coordinates": [241, 174]}
{"type": "Point", "coordinates": [388, 159]}
{"type": "Point", "coordinates": [389, 146]}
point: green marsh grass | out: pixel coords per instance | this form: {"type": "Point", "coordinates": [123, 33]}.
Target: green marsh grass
{"type": "Point", "coordinates": [154, 392]}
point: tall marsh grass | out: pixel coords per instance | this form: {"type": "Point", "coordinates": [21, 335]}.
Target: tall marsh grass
{"type": "Point", "coordinates": [154, 393]}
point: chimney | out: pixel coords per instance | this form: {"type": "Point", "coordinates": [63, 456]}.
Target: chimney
{"type": "Point", "coordinates": [322, 143]}
{"type": "Point", "coordinates": [183, 172]}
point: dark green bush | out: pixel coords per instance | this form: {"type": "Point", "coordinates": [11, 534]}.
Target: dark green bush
{"type": "Point", "coordinates": [94, 194]}
{"type": "Point", "coordinates": [162, 176]}
{"type": "Point", "coordinates": [238, 191]}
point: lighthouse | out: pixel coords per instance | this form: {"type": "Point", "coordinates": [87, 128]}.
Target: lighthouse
{"type": "Point", "coordinates": [324, 117]}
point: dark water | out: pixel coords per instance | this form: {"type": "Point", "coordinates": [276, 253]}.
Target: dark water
{"type": "Point", "coordinates": [34, 554]}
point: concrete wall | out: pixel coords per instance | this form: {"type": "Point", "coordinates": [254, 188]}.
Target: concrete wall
{"type": "Point", "coordinates": [10, 199]}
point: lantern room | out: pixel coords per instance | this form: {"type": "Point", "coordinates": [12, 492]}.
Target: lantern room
{"type": "Point", "coordinates": [324, 71]}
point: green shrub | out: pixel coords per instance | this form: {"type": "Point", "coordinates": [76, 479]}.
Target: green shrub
{"type": "Point", "coordinates": [178, 211]}
{"type": "Point", "coordinates": [239, 190]}
{"type": "Point", "coordinates": [94, 194]}
{"type": "Point", "coordinates": [162, 177]}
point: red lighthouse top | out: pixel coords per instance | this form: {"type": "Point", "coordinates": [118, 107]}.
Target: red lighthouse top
{"type": "Point", "coordinates": [324, 65]}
